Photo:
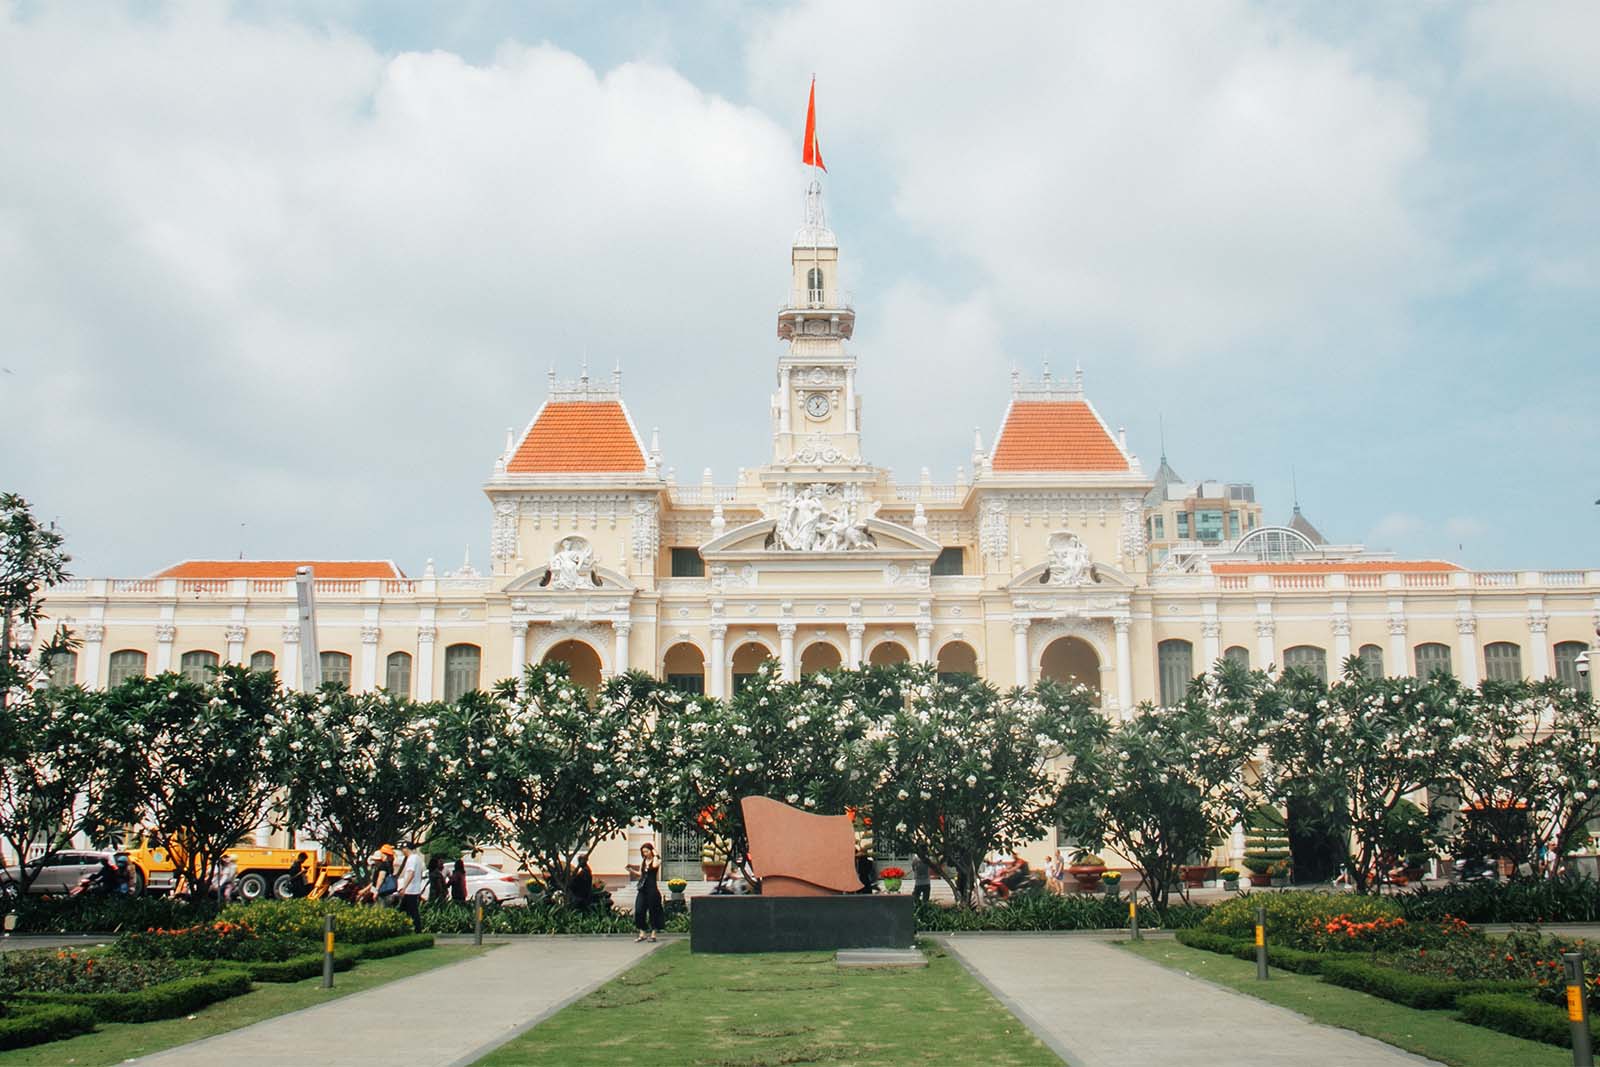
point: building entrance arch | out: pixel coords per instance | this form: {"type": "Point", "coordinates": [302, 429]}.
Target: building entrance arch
{"type": "Point", "coordinates": [889, 653]}
{"type": "Point", "coordinates": [684, 668]}
{"type": "Point", "coordinates": [957, 657]}
{"type": "Point", "coordinates": [820, 656]}
{"type": "Point", "coordinates": [583, 662]}
{"type": "Point", "coordinates": [746, 659]}
{"type": "Point", "coordinates": [1071, 661]}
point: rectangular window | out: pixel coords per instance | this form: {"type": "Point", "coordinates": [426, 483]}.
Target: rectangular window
{"type": "Point", "coordinates": [686, 563]}
{"type": "Point", "coordinates": [1183, 525]}
{"type": "Point", "coordinates": [1233, 525]}
{"type": "Point", "coordinates": [1208, 525]}
{"type": "Point", "coordinates": [950, 561]}
{"type": "Point", "coordinates": [1160, 528]}
{"type": "Point", "coordinates": [1175, 669]}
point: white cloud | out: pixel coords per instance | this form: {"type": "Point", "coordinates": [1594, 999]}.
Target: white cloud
{"type": "Point", "coordinates": [263, 274]}
{"type": "Point", "coordinates": [1553, 45]}
{"type": "Point", "coordinates": [1187, 175]}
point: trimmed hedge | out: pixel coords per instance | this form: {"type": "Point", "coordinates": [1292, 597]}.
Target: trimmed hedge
{"type": "Point", "coordinates": [34, 1024]}
{"type": "Point", "coordinates": [1047, 912]}
{"type": "Point", "coordinates": [344, 958]}
{"type": "Point", "coordinates": [1520, 1017]}
{"type": "Point", "coordinates": [1210, 941]}
{"type": "Point", "coordinates": [106, 915]}
{"type": "Point", "coordinates": [1414, 990]}
{"type": "Point", "coordinates": [165, 1000]}
{"type": "Point", "coordinates": [1568, 899]}
{"type": "Point", "coordinates": [1288, 959]}
{"type": "Point", "coordinates": [393, 946]}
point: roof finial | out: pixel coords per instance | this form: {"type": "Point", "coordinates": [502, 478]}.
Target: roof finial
{"type": "Point", "coordinates": [616, 377]}
{"type": "Point", "coordinates": [1294, 487]}
{"type": "Point", "coordinates": [1077, 377]}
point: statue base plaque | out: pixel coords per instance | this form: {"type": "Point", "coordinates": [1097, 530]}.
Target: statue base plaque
{"type": "Point", "coordinates": [801, 924]}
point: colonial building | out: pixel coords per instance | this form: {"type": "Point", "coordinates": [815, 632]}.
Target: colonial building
{"type": "Point", "coordinates": [1054, 555]}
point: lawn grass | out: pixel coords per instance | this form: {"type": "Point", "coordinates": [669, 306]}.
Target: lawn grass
{"type": "Point", "coordinates": [1438, 1035]}
{"type": "Point", "coordinates": [705, 1010]}
{"type": "Point", "coordinates": [114, 1042]}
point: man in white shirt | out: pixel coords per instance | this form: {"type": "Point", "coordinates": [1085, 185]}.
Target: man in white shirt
{"type": "Point", "coordinates": [409, 883]}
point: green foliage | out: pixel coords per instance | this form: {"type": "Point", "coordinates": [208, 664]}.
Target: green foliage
{"type": "Point", "coordinates": [296, 968]}
{"type": "Point", "coordinates": [34, 1024]}
{"type": "Point", "coordinates": [107, 914]}
{"type": "Point", "coordinates": [1522, 956]}
{"type": "Point", "coordinates": [1521, 1017]}
{"type": "Point", "coordinates": [535, 918]}
{"type": "Point", "coordinates": [301, 920]}
{"type": "Point", "coordinates": [1046, 912]}
{"type": "Point", "coordinates": [1413, 990]}
{"type": "Point", "coordinates": [208, 941]}
{"type": "Point", "coordinates": [164, 1000]}
{"type": "Point", "coordinates": [1294, 919]}
{"type": "Point", "coordinates": [31, 560]}
{"type": "Point", "coordinates": [395, 946]}
{"type": "Point", "coordinates": [1555, 900]}
{"type": "Point", "coordinates": [65, 971]}
{"type": "Point", "coordinates": [1210, 941]}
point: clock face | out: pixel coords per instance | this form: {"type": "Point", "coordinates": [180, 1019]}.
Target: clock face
{"type": "Point", "coordinates": [817, 405]}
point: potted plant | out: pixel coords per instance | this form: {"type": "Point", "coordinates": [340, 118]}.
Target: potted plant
{"type": "Point", "coordinates": [1281, 872]}
{"type": "Point", "coordinates": [1196, 875]}
{"type": "Point", "coordinates": [1259, 865]}
{"type": "Point", "coordinates": [891, 878]}
{"type": "Point", "coordinates": [1112, 880]}
{"type": "Point", "coordinates": [1230, 879]}
{"type": "Point", "coordinates": [713, 860]}
{"type": "Point", "coordinates": [676, 886]}
{"type": "Point", "coordinates": [1087, 870]}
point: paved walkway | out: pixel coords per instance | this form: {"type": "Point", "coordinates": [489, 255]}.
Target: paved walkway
{"type": "Point", "coordinates": [1099, 1006]}
{"type": "Point", "coordinates": [440, 1018]}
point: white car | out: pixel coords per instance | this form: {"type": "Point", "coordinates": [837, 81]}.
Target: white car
{"type": "Point", "coordinates": [490, 884]}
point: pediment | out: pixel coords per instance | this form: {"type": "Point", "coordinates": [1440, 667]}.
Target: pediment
{"type": "Point", "coordinates": [598, 580]}
{"type": "Point", "coordinates": [755, 540]}
{"type": "Point", "coordinates": [1101, 576]}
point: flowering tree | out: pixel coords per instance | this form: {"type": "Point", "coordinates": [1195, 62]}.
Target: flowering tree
{"type": "Point", "coordinates": [196, 763]}
{"type": "Point", "coordinates": [1526, 768]}
{"type": "Point", "coordinates": [1170, 782]}
{"type": "Point", "coordinates": [1358, 748]}
{"type": "Point", "coordinates": [535, 769]}
{"type": "Point", "coordinates": [361, 769]}
{"type": "Point", "coordinates": [964, 770]}
{"type": "Point", "coordinates": [31, 560]}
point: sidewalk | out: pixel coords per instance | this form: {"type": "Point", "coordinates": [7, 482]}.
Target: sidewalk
{"type": "Point", "coordinates": [440, 1018]}
{"type": "Point", "coordinates": [1098, 1006]}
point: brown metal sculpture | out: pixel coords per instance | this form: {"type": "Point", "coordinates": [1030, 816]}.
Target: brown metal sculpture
{"type": "Point", "coordinates": [798, 854]}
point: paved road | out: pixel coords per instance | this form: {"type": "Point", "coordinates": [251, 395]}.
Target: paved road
{"type": "Point", "coordinates": [440, 1018]}
{"type": "Point", "coordinates": [1099, 1006]}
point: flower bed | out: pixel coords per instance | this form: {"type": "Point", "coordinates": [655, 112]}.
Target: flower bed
{"type": "Point", "coordinates": [220, 940]}
{"type": "Point", "coordinates": [52, 971]}
{"type": "Point", "coordinates": [164, 1000]}
{"type": "Point", "coordinates": [1413, 990]}
{"type": "Point", "coordinates": [301, 920]}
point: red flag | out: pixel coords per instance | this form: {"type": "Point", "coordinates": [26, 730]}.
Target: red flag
{"type": "Point", "coordinates": [812, 154]}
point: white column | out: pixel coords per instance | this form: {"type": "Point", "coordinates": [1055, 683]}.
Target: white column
{"type": "Point", "coordinates": [289, 662]}
{"type": "Point", "coordinates": [1124, 624]}
{"type": "Point", "coordinates": [856, 630]}
{"type": "Point", "coordinates": [783, 400]}
{"type": "Point", "coordinates": [166, 633]}
{"type": "Point", "coordinates": [1467, 649]}
{"type": "Point", "coordinates": [426, 632]}
{"type": "Point", "coordinates": [717, 669]}
{"type": "Point", "coordinates": [94, 636]}
{"type": "Point", "coordinates": [369, 656]}
{"type": "Point", "coordinates": [1019, 652]}
{"type": "Point", "coordinates": [1341, 644]}
{"type": "Point", "coordinates": [1538, 645]}
{"type": "Point", "coordinates": [235, 634]}
{"type": "Point", "coordinates": [623, 628]}
{"type": "Point", "coordinates": [1211, 638]}
{"type": "Point", "coordinates": [786, 650]}
{"type": "Point", "coordinates": [924, 642]}
{"type": "Point", "coordinates": [1399, 663]}
{"type": "Point", "coordinates": [1266, 652]}
{"type": "Point", "coordinates": [519, 648]}
{"type": "Point", "coordinates": [850, 400]}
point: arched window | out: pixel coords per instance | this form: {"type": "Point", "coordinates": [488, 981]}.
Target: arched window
{"type": "Point", "coordinates": [1567, 653]}
{"type": "Point", "coordinates": [1371, 660]}
{"type": "Point", "coordinates": [198, 666]}
{"type": "Point", "coordinates": [1071, 661]}
{"type": "Point", "coordinates": [1237, 654]}
{"type": "Point", "coordinates": [126, 663]}
{"type": "Point", "coordinates": [685, 668]}
{"type": "Point", "coordinates": [888, 654]}
{"type": "Point", "coordinates": [1502, 661]}
{"type": "Point", "coordinates": [263, 662]}
{"type": "Point", "coordinates": [1175, 666]}
{"type": "Point", "coordinates": [336, 668]}
{"type": "Point", "coordinates": [1274, 543]}
{"type": "Point", "coordinates": [1432, 658]}
{"type": "Point", "coordinates": [747, 658]}
{"type": "Point", "coordinates": [957, 658]}
{"type": "Point", "coordinates": [814, 285]}
{"type": "Point", "coordinates": [63, 668]}
{"type": "Point", "coordinates": [1311, 658]}
{"type": "Point", "coordinates": [819, 656]}
{"type": "Point", "coordinates": [461, 665]}
{"type": "Point", "coordinates": [397, 674]}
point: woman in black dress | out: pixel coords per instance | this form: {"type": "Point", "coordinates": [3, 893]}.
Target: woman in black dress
{"type": "Point", "coordinates": [648, 914]}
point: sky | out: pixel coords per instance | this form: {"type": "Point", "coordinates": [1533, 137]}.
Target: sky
{"type": "Point", "coordinates": [275, 278]}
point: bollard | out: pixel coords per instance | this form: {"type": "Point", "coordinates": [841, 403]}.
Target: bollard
{"type": "Point", "coordinates": [327, 952]}
{"type": "Point", "coordinates": [477, 922]}
{"type": "Point", "coordinates": [1577, 1009]}
{"type": "Point", "coordinates": [1261, 943]}
{"type": "Point", "coordinates": [1133, 918]}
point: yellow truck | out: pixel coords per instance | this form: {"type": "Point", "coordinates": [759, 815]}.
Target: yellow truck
{"type": "Point", "coordinates": [263, 872]}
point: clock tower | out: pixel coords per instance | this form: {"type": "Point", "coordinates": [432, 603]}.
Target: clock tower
{"type": "Point", "coordinates": [815, 412]}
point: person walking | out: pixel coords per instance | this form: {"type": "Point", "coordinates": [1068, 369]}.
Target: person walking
{"type": "Point", "coordinates": [437, 890]}
{"type": "Point", "coordinates": [921, 881]}
{"type": "Point", "coordinates": [409, 883]}
{"type": "Point", "coordinates": [649, 915]}
{"type": "Point", "coordinates": [458, 881]}
{"type": "Point", "coordinates": [381, 889]}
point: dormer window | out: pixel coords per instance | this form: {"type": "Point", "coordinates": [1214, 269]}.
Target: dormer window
{"type": "Point", "coordinates": [814, 285]}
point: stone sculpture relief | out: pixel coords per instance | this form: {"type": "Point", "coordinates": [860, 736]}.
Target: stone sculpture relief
{"type": "Point", "coordinates": [1069, 560]}
{"type": "Point", "coordinates": [819, 519]}
{"type": "Point", "coordinates": [572, 566]}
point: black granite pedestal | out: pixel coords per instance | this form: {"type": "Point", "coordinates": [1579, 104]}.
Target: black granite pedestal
{"type": "Point", "coordinates": [800, 924]}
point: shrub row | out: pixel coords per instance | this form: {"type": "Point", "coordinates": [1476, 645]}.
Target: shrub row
{"type": "Point", "coordinates": [301, 920]}
{"type": "Point", "coordinates": [106, 915]}
{"type": "Point", "coordinates": [34, 1024]}
{"type": "Point", "coordinates": [1279, 956]}
{"type": "Point", "coordinates": [536, 918]}
{"type": "Point", "coordinates": [1043, 912]}
{"type": "Point", "coordinates": [345, 957]}
{"type": "Point", "coordinates": [1414, 990]}
{"type": "Point", "coordinates": [165, 1000]}
{"type": "Point", "coordinates": [1520, 1017]}
{"type": "Point", "coordinates": [1556, 900]}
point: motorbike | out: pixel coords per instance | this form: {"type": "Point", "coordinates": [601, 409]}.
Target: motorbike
{"type": "Point", "coordinates": [1474, 869]}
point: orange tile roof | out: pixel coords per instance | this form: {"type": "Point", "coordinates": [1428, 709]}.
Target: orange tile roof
{"type": "Point", "coordinates": [1334, 566]}
{"type": "Point", "coordinates": [1055, 435]}
{"type": "Point", "coordinates": [280, 568]}
{"type": "Point", "coordinates": [578, 436]}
